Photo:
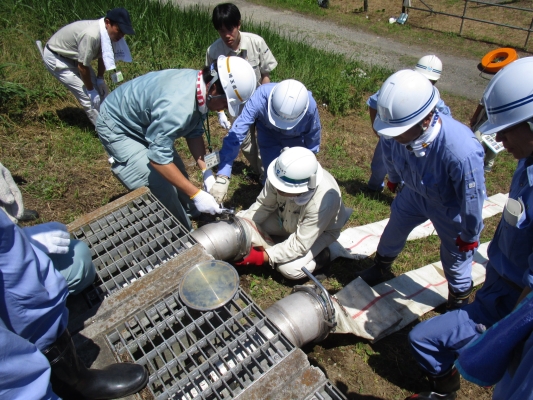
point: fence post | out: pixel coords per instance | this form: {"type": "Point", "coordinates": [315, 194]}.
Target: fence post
{"type": "Point", "coordinates": [365, 5]}
{"type": "Point", "coordinates": [528, 33]}
{"type": "Point", "coordinates": [463, 18]}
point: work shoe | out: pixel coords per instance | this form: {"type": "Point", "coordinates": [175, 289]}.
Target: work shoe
{"type": "Point", "coordinates": [72, 380]}
{"type": "Point", "coordinates": [381, 271]}
{"type": "Point", "coordinates": [458, 300]}
{"type": "Point", "coordinates": [29, 215]}
{"type": "Point", "coordinates": [442, 387]}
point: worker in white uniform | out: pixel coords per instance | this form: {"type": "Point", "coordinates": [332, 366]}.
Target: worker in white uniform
{"type": "Point", "coordinates": [435, 165]}
{"type": "Point", "coordinates": [141, 119]}
{"type": "Point", "coordinates": [302, 203]}
{"type": "Point", "coordinates": [252, 48]}
{"type": "Point", "coordinates": [431, 67]}
{"type": "Point", "coordinates": [70, 51]}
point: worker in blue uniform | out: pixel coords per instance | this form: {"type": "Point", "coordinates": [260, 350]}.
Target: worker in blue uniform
{"type": "Point", "coordinates": [140, 120]}
{"type": "Point", "coordinates": [503, 355]}
{"type": "Point", "coordinates": [285, 115]}
{"type": "Point", "coordinates": [435, 165]}
{"type": "Point", "coordinates": [435, 343]}
{"type": "Point", "coordinates": [431, 67]}
{"type": "Point", "coordinates": [36, 345]}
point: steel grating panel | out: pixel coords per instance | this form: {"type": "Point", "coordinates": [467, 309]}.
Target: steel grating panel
{"type": "Point", "coordinates": [200, 355]}
{"type": "Point", "coordinates": [327, 392]}
{"type": "Point", "coordinates": [130, 242]}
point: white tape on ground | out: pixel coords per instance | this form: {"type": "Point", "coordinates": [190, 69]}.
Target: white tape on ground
{"type": "Point", "coordinates": [361, 241]}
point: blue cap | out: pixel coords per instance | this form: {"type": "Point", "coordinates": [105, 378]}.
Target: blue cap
{"type": "Point", "coordinates": [121, 17]}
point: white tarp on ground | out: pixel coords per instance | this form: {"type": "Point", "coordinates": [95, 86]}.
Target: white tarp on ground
{"type": "Point", "coordinates": [361, 241]}
{"type": "Point", "coordinates": [374, 313]}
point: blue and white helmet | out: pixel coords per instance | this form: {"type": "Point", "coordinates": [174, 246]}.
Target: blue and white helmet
{"type": "Point", "coordinates": [404, 100]}
{"type": "Point", "coordinates": [508, 98]}
{"type": "Point", "coordinates": [430, 66]}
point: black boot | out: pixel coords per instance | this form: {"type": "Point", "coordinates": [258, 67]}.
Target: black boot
{"type": "Point", "coordinates": [71, 379]}
{"type": "Point", "coordinates": [443, 387]}
{"type": "Point", "coordinates": [458, 300]}
{"type": "Point", "coordinates": [322, 261]}
{"type": "Point", "coordinates": [379, 272]}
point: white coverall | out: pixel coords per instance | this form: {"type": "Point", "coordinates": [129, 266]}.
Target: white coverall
{"type": "Point", "coordinates": [308, 229]}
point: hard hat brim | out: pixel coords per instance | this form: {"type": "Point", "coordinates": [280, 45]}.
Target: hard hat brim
{"type": "Point", "coordinates": [286, 187]}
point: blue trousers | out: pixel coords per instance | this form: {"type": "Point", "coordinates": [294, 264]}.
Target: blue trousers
{"type": "Point", "coordinates": [137, 172]}
{"type": "Point", "coordinates": [378, 168]}
{"type": "Point", "coordinates": [408, 210]}
{"type": "Point", "coordinates": [76, 266]}
{"type": "Point", "coordinates": [435, 343]}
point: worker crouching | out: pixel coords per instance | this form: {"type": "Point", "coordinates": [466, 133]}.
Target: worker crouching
{"type": "Point", "coordinates": [300, 202]}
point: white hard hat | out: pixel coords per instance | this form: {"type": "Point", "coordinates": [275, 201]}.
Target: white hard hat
{"type": "Point", "coordinates": [430, 66]}
{"type": "Point", "coordinates": [287, 104]}
{"type": "Point", "coordinates": [238, 81]}
{"type": "Point", "coordinates": [508, 98]}
{"type": "Point", "coordinates": [296, 170]}
{"type": "Point", "coordinates": [405, 99]}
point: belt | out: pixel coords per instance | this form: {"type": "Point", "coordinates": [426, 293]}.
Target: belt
{"type": "Point", "coordinates": [54, 52]}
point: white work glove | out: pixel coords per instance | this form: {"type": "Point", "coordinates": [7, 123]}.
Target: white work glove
{"type": "Point", "coordinates": [102, 88]}
{"type": "Point", "coordinates": [51, 237]}
{"type": "Point", "coordinates": [10, 196]}
{"type": "Point", "coordinates": [223, 120]}
{"type": "Point", "coordinates": [205, 203]}
{"type": "Point", "coordinates": [209, 180]}
{"type": "Point", "coordinates": [220, 188]}
{"type": "Point", "coordinates": [95, 99]}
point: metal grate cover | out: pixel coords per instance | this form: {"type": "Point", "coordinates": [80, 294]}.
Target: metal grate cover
{"type": "Point", "coordinates": [130, 242]}
{"type": "Point", "coordinates": [201, 355]}
{"type": "Point", "coordinates": [327, 392]}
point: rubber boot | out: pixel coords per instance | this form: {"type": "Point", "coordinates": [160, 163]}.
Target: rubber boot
{"type": "Point", "coordinates": [458, 300]}
{"type": "Point", "coordinates": [442, 387]}
{"type": "Point", "coordinates": [322, 261]}
{"type": "Point", "coordinates": [72, 380]}
{"type": "Point", "coordinates": [381, 271]}
{"type": "Point", "coordinates": [29, 215]}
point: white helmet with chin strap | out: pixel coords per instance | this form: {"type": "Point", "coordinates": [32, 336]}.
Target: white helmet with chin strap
{"type": "Point", "coordinates": [295, 171]}
{"type": "Point", "coordinates": [508, 98]}
{"type": "Point", "coordinates": [404, 100]}
{"type": "Point", "coordinates": [430, 66]}
{"type": "Point", "coordinates": [287, 104]}
{"type": "Point", "coordinates": [238, 81]}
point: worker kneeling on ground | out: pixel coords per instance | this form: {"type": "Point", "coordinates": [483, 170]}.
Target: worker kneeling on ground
{"type": "Point", "coordinates": [285, 115]}
{"type": "Point", "coordinates": [437, 342]}
{"type": "Point", "coordinates": [140, 120]}
{"type": "Point", "coordinates": [302, 203]}
{"type": "Point", "coordinates": [435, 165]}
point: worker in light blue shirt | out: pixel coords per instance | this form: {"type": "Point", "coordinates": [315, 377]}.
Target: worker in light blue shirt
{"type": "Point", "coordinates": [285, 115]}
{"type": "Point", "coordinates": [435, 343]}
{"type": "Point", "coordinates": [435, 164]}
{"type": "Point", "coordinates": [431, 67]}
{"type": "Point", "coordinates": [141, 119]}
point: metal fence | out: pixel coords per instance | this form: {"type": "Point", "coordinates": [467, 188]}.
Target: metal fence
{"type": "Point", "coordinates": [407, 4]}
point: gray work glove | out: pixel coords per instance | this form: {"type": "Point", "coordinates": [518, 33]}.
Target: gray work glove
{"type": "Point", "coordinates": [51, 237]}
{"type": "Point", "coordinates": [205, 203]}
{"type": "Point", "coordinates": [102, 88]}
{"type": "Point", "coordinates": [220, 188]}
{"type": "Point", "coordinates": [95, 99]}
{"type": "Point", "coordinates": [223, 120]}
{"type": "Point", "coordinates": [10, 196]}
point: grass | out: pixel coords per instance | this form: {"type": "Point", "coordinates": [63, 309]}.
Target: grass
{"type": "Point", "coordinates": [50, 146]}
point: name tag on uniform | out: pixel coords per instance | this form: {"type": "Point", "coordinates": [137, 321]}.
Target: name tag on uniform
{"type": "Point", "coordinates": [117, 77]}
{"type": "Point", "coordinates": [212, 159]}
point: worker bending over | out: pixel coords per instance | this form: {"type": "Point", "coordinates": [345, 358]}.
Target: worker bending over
{"type": "Point", "coordinates": [435, 165]}
{"type": "Point", "coordinates": [285, 115]}
{"type": "Point", "coordinates": [431, 67]}
{"type": "Point", "coordinates": [142, 118]}
{"type": "Point", "coordinates": [300, 202]}
{"type": "Point", "coordinates": [250, 47]}
{"type": "Point", "coordinates": [509, 279]}
{"type": "Point", "coordinates": [69, 52]}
